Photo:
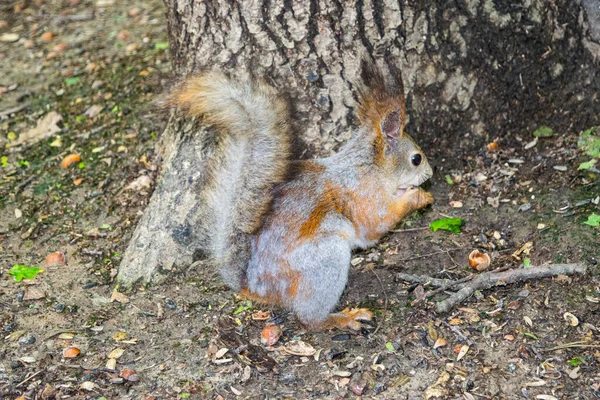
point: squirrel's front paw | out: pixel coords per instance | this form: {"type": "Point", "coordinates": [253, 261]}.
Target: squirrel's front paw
{"type": "Point", "coordinates": [420, 197]}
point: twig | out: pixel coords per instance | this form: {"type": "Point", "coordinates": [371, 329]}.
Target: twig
{"type": "Point", "coordinates": [431, 254]}
{"type": "Point", "coordinates": [491, 279]}
{"type": "Point", "coordinates": [458, 333]}
{"type": "Point", "coordinates": [16, 109]}
{"type": "Point", "coordinates": [436, 282]}
{"type": "Point", "coordinates": [571, 345]}
{"type": "Point", "coordinates": [30, 378]}
{"type": "Point", "coordinates": [409, 230]}
{"type": "Point", "coordinates": [448, 286]}
{"type": "Point", "coordinates": [385, 309]}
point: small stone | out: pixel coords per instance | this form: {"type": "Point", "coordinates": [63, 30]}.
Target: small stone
{"type": "Point", "coordinates": [171, 305]}
{"type": "Point", "coordinates": [27, 339]}
{"type": "Point", "coordinates": [90, 284]}
{"type": "Point", "coordinates": [342, 337]}
{"type": "Point", "coordinates": [60, 307]}
{"type": "Point", "coordinates": [525, 207]}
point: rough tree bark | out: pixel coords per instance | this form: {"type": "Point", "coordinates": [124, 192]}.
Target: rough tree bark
{"type": "Point", "coordinates": [474, 70]}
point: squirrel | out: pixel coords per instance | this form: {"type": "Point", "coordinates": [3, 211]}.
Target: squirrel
{"type": "Point", "coordinates": [281, 230]}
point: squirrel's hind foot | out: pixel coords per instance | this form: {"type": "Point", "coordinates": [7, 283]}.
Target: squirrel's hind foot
{"type": "Point", "coordinates": [348, 319]}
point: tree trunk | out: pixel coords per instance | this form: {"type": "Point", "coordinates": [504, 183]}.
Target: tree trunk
{"type": "Point", "coordinates": [474, 70]}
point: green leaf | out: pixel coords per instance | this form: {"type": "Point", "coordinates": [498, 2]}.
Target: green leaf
{"type": "Point", "coordinates": [587, 165]}
{"type": "Point", "coordinates": [447, 224]}
{"type": "Point", "coordinates": [243, 308]}
{"type": "Point", "coordinates": [575, 361]}
{"type": "Point", "coordinates": [449, 180]}
{"type": "Point", "coordinates": [184, 395]}
{"type": "Point", "coordinates": [593, 220]}
{"type": "Point", "coordinates": [4, 161]}
{"type": "Point", "coordinates": [527, 262]}
{"type": "Point", "coordinates": [81, 165]}
{"type": "Point", "coordinates": [161, 46]}
{"type": "Point", "coordinates": [543, 131]}
{"type": "Point", "coordinates": [20, 272]}
{"type": "Point", "coordinates": [589, 143]}
{"type": "Point", "coordinates": [530, 335]}
{"type": "Point", "coordinates": [72, 81]}
{"type": "Point", "coordinates": [390, 346]}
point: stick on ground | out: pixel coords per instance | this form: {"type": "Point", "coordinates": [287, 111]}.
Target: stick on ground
{"type": "Point", "coordinates": [491, 279]}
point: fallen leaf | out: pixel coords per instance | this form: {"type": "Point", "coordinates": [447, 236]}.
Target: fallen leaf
{"type": "Point", "coordinates": [463, 352]}
{"type": "Point", "coordinates": [261, 315]}
{"type": "Point", "coordinates": [28, 359]}
{"type": "Point", "coordinates": [447, 224]}
{"type": "Point", "coordinates": [221, 352]}
{"type": "Point", "coordinates": [78, 181]}
{"type": "Point", "coordinates": [46, 127]}
{"type": "Point", "coordinates": [69, 160]}
{"type": "Point", "coordinates": [20, 272]}
{"type": "Point", "coordinates": [33, 293]}
{"type": "Point", "coordinates": [571, 319]}
{"type": "Point", "coordinates": [441, 342]}
{"type": "Point", "coordinates": [119, 336]}
{"type": "Point", "coordinates": [119, 297]}
{"type": "Point", "coordinates": [55, 259]}
{"type": "Point", "coordinates": [116, 353]}
{"type": "Point", "coordinates": [528, 320]}
{"type": "Point", "coordinates": [143, 181]}
{"type": "Point", "coordinates": [111, 363]}
{"type": "Point", "coordinates": [9, 37]}
{"type": "Point", "coordinates": [71, 352]}
{"type": "Point", "coordinates": [87, 385]}
{"type": "Point", "coordinates": [47, 36]}
{"type": "Point", "coordinates": [299, 348]}
{"type": "Point", "coordinates": [93, 110]}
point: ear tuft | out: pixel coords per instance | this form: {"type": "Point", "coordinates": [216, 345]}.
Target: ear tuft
{"type": "Point", "coordinates": [391, 124]}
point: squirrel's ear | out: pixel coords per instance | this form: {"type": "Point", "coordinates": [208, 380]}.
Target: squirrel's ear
{"type": "Point", "coordinates": [392, 124]}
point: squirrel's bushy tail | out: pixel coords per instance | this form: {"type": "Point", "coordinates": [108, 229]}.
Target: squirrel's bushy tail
{"type": "Point", "coordinates": [254, 142]}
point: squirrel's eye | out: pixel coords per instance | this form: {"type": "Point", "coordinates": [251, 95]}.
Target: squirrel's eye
{"type": "Point", "coordinates": [416, 159]}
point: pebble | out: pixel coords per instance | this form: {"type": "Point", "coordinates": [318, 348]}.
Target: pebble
{"type": "Point", "coordinates": [171, 305]}
{"type": "Point", "coordinates": [60, 307]}
{"type": "Point", "coordinates": [342, 337]}
{"type": "Point", "coordinates": [27, 339]}
{"type": "Point", "coordinates": [90, 284]}
{"type": "Point", "coordinates": [525, 207]}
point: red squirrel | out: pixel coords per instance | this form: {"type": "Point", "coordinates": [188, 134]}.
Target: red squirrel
{"type": "Point", "coordinates": [286, 238]}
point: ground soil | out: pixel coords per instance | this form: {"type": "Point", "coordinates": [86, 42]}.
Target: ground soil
{"type": "Point", "coordinates": [113, 55]}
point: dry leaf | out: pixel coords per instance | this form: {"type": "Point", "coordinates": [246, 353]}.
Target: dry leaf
{"type": "Point", "coordinates": [111, 364]}
{"type": "Point", "coordinates": [261, 315]}
{"type": "Point", "coordinates": [463, 352]}
{"type": "Point", "coordinates": [528, 320]}
{"type": "Point", "coordinates": [33, 293]}
{"type": "Point", "coordinates": [118, 336]}
{"type": "Point", "coordinates": [69, 160]}
{"type": "Point", "coordinates": [143, 181]}
{"type": "Point", "coordinates": [66, 336]}
{"type": "Point", "coordinates": [55, 259]}
{"type": "Point", "coordinates": [71, 352]}
{"type": "Point", "coordinates": [87, 385]}
{"type": "Point", "coordinates": [221, 352]}
{"type": "Point", "coordinates": [116, 353]}
{"type": "Point", "coordinates": [571, 319]}
{"type": "Point", "coordinates": [119, 297]}
{"type": "Point", "coordinates": [46, 127]}
{"type": "Point", "coordinates": [441, 342]}
{"type": "Point", "coordinates": [299, 348]}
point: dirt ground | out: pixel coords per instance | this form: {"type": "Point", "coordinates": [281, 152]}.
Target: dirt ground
{"type": "Point", "coordinates": [94, 67]}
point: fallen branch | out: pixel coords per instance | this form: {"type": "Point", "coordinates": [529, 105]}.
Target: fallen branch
{"type": "Point", "coordinates": [491, 279]}
{"type": "Point", "coordinates": [424, 280]}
